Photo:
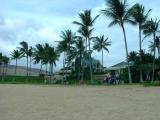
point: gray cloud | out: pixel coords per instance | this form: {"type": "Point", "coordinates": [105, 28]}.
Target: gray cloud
{"type": "Point", "coordinates": [41, 21]}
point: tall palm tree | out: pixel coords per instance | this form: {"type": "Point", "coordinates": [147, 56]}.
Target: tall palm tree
{"type": "Point", "coordinates": [16, 55]}
{"type": "Point", "coordinates": [0, 62]}
{"type": "Point", "coordinates": [119, 12]}
{"type": "Point", "coordinates": [85, 29]}
{"type": "Point", "coordinates": [151, 27]}
{"type": "Point", "coordinates": [86, 23]}
{"type": "Point", "coordinates": [69, 37]}
{"type": "Point", "coordinates": [30, 55]}
{"type": "Point", "coordinates": [140, 16]}
{"type": "Point", "coordinates": [45, 60]}
{"type": "Point", "coordinates": [77, 53]}
{"type": "Point", "coordinates": [24, 49]}
{"type": "Point", "coordinates": [38, 55]}
{"type": "Point", "coordinates": [5, 60]}
{"type": "Point", "coordinates": [157, 46]}
{"type": "Point", "coordinates": [101, 44]}
{"type": "Point", "coordinates": [64, 46]}
{"type": "Point", "coordinates": [52, 56]}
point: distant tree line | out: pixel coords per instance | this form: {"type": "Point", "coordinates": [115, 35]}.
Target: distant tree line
{"type": "Point", "coordinates": [78, 45]}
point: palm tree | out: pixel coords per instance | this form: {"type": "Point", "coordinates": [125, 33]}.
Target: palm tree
{"type": "Point", "coordinates": [119, 12]}
{"type": "Point", "coordinates": [52, 56]}
{"type": "Point", "coordinates": [45, 60]}
{"type": "Point", "coordinates": [140, 16]}
{"type": "Point", "coordinates": [38, 55]}
{"type": "Point", "coordinates": [157, 46]}
{"type": "Point", "coordinates": [86, 22]}
{"type": "Point", "coordinates": [0, 62]}
{"type": "Point", "coordinates": [16, 55]}
{"type": "Point", "coordinates": [24, 49]}
{"type": "Point", "coordinates": [5, 60]}
{"type": "Point", "coordinates": [30, 55]}
{"type": "Point", "coordinates": [101, 44]}
{"type": "Point", "coordinates": [151, 27]}
{"type": "Point", "coordinates": [64, 46]}
{"type": "Point", "coordinates": [86, 27]}
{"type": "Point", "coordinates": [69, 37]}
{"type": "Point", "coordinates": [77, 53]}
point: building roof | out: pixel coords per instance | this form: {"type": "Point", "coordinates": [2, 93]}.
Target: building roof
{"type": "Point", "coordinates": [120, 65]}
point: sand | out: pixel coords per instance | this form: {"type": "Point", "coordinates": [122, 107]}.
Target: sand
{"type": "Point", "coordinates": [37, 102]}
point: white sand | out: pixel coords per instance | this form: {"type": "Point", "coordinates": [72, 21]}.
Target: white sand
{"type": "Point", "coordinates": [29, 102]}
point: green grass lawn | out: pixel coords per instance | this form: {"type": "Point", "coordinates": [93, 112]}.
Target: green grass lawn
{"type": "Point", "coordinates": [40, 80]}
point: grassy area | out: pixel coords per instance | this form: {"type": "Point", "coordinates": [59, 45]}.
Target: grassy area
{"type": "Point", "coordinates": [21, 80]}
{"type": "Point", "coordinates": [150, 84]}
{"type": "Point", "coordinates": [40, 80]}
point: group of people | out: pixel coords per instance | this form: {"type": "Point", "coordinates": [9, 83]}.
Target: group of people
{"type": "Point", "coordinates": [112, 79]}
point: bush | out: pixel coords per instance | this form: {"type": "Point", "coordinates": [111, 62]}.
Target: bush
{"type": "Point", "coordinates": [149, 84]}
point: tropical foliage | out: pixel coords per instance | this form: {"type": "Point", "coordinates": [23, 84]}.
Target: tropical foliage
{"type": "Point", "coordinates": [119, 12]}
{"type": "Point", "coordinates": [77, 47]}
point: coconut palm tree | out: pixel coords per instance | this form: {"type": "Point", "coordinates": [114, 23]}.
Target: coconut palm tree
{"type": "Point", "coordinates": [76, 54]}
{"type": "Point", "coordinates": [64, 46]}
{"type": "Point", "coordinates": [85, 25]}
{"type": "Point", "coordinates": [140, 16]}
{"type": "Point", "coordinates": [119, 12]}
{"type": "Point", "coordinates": [38, 55]}
{"type": "Point", "coordinates": [51, 56]}
{"type": "Point", "coordinates": [0, 62]}
{"type": "Point", "coordinates": [30, 55]}
{"type": "Point", "coordinates": [151, 27]}
{"type": "Point", "coordinates": [16, 55]}
{"type": "Point", "coordinates": [24, 50]}
{"type": "Point", "coordinates": [157, 46]}
{"type": "Point", "coordinates": [85, 29]}
{"type": "Point", "coordinates": [101, 44]}
{"type": "Point", "coordinates": [45, 60]}
{"type": "Point", "coordinates": [69, 37]}
{"type": "Point", "coordinates": [5, 60]}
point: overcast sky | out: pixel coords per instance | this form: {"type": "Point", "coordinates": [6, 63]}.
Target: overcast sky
{"type": "Point", "coordinates": [41, 21]}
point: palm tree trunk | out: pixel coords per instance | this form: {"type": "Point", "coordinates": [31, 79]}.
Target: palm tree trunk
{"type": "Point", "coordinates": [30, 65]}
{"type": "Point", "coordinates": [0, 69]}
{"type": "Point", "coordinates": [16, 68]}
{"type": "Point", "coordinates": [140, 51]}
{"type": "Point", "coordinates": [46, 69]}
{"type": "Point", "coordinates": [27, 66]}
{"type": "Point", "coordinates": [81, 69]}
{"type": "Point", "coordinates": [153, 72]}
{"type": "Point", "coordinates": [64, 62]}
{"type": "Point", "coordinates": [90, 59]}
{"type": "Point", "coordinates": [6, 69]}
{"type": "Point", "coordinates": [126, 47]}
{"type": "Point", "coordinates": [50, 72]}
{"type": "Point", "coordinates": [159, 52]}
{"type": "Point", "coordinates": [3, 69]}
{"type": "Point", "coordinates": [102, 60]}
{"type": "Point", "coordinates": [86, 43]}
{"type": "Point", "coordinates": [41, 68]}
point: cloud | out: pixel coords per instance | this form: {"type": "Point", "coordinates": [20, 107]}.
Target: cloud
{"type": "Point", "coordinates": [40, 21]}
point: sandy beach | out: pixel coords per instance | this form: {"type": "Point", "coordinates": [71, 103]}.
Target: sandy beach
{"type": "Point", "coordinates": [38, 102]}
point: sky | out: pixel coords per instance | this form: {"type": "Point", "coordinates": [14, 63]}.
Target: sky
{"type": "Point", "coordinates": [41, 21]}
